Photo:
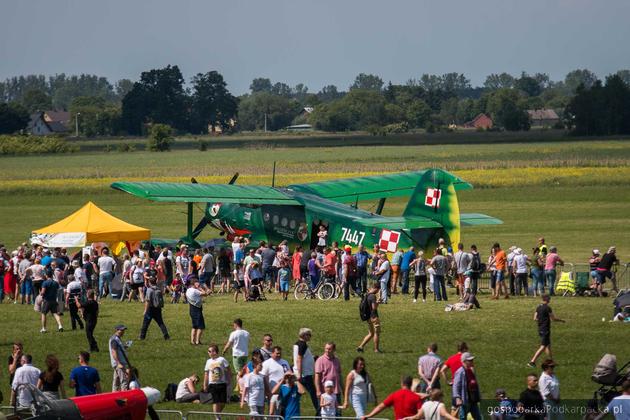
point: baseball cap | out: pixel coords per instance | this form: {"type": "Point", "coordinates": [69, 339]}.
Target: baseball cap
{"type": "Point", "coordinates": [467, 356]}
{"type": "Point", "coordinates": [347, 248]}
{"type": "Point", "coordinates": [596, 252]}
{"type": "Point", "coordinates": [328, 383]}
{"type": "Point", "coordinates": [500, 392]}
{"type": "Point", "coordinates": [120, 327]}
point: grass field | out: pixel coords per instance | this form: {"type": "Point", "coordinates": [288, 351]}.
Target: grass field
{"type": "Point", "coordinates": [576, 194]}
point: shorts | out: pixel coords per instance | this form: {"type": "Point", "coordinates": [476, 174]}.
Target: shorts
{"type": "Point", "coordinates": [218, 393]}
{"type": "Point", "coordinates": [284, 286]}
{"type": "Point", "coordinates": [136, 286]}
{"type": "Point", "coordinates": [545, 338]}
{"type": "Point", "coordinates": [205, 278]}
{"type": "Point", "coordinates": [52, 307]}
{"type": "Point", "coordinates": [374, 325]}
{"type": "Point", "coordinates": [238, 285]}
{"type": "Point", "coordinates": [239, 362]}
{"type": "Point", "coordinates": [196, 316]}
{"type": "Point", "coordinates": [500, 275]}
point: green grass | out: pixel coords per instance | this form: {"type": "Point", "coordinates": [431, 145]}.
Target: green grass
{"type": "Point", "coordinates": [575, 193]}
{"type": "Point", "coordinates": [502, 335]}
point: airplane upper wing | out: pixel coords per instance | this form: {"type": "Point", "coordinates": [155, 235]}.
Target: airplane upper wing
{"type": "Point", "coordinates": [369, 187]}
{"type": "Point", "coordinates": [202, 193]}
{"type": "Point", "coordinates": [475, 219]}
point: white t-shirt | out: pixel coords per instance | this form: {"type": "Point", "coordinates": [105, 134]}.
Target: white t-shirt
{"type": "Point", "coordinates": [74, 287]}
{"type": "Point", "coordinates": [549, 386]}
{"type": "Point", "coordinates": [106, 264]}
{"type": "Point", "coordinates": [193, 296]}
{"type": "Point", "coordinates": [330, 410]}
{"type": "Point", "coordinates": [274, 371]}
{"type": "Point", "coordinates": [521, 263]}
{"type": "Point", "coordinates": [217, 369]}
{"type": "Point", "coordinates": [184, 262]}
{"type": "Point", "coordinates": [138, 275]}
{"type": "Point", "coordinates": [308, 361]}
{"type": "Point", "coordinates": [385, 268]}
{"type": "Point", "coordinates": [182, 389]}
{"type": "Point", "coordinates": [240, 343]}
{"type": "Point", "coordinates": [79, 274]}
{"type": "Point", "coordinates": [462, 259]}
{"type": "Point", "coordinates": [255, 385]}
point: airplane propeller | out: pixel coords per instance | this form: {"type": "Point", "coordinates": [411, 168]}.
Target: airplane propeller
{"type": "Point", "coordinates": [204, 221]}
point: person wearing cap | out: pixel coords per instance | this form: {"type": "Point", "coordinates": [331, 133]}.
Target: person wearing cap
{"type": "Point", "coordinates": [507, 407]}
{"type": "Point", "coordinates": [328, 401]}
{"type": "Point", "coordinates": [465, 389]}
{"type": "Point", "coordinates": [153, 305]}
{"type": "Point", "coordinates": [119, 360]}
{"type": "Point", "coordinates": [604, 268]}
{"type": "Point", "coordinates": [520, 263]}
{"type": "Point", "coordinates": [531, 402]}
{"type": "Point", "coordinates": [289, 392]}
{"type": "Point", "coordinates": [543, 316]}
{"type": "Point", "coordinates": [549, 387]}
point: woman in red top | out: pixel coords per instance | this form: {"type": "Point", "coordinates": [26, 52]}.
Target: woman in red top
{"type": "Point", "coordinates": [295, 261]}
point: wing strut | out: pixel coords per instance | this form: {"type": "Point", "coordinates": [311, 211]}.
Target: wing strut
{"type": "Point", "coordinates": [381, 204]}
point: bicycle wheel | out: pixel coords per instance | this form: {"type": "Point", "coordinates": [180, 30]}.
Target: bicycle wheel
{"type": "Point", "coordinates": [301, 291]}
{"type": "Point", "coordinates": [326, 291]}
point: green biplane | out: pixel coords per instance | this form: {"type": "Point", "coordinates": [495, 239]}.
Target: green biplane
{"type": "Point", "coordinates": [295, 213]}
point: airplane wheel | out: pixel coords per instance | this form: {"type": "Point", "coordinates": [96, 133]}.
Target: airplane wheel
{"type": "Point", "coordinates": [326, 291]}
{"type": "Point", "coordinates": [301, 291]}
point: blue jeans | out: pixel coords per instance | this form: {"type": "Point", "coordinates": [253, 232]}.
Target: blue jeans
{"type": "Point", "coordinates": [550, 276]}
{"type": "Point", "coordinates": [439, 287]}
{"type": "Point", "coordinates": [105, 279]}
{"type": "Point", "coordinates": [405, 282]}
{"type": "Point", "coordinates": [472, 408]}
{"type": "Point", "coordinates": [538, 280]}
{"type": "Point", "coordinates": [384, 282]}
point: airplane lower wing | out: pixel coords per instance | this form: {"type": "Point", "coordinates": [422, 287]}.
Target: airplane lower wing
{"type": "Point", "coordinates": [476, 219]}
{"type": "Point", "coordinates": [203, 193]}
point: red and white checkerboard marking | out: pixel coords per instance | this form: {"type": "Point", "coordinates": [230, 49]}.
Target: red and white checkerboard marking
{"type": "Point", "coordinates": [389, 240]}
{"type": "Point", "coordinates": [432, 199]}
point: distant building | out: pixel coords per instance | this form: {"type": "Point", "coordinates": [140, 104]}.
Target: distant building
{"type": "Point", "coordinates": [49, 122]}
{"type": "Point", "coordinates": [306, 111]}
{"type": "Point", "coordinates": [543, 117]}
{"type": "Point", "coordinates": [480, 121]}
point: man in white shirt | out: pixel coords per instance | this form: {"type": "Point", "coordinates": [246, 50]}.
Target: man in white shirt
{"type": "Point", "coordinates": [383, 273]}
{"type": "Point", "coordinates": [106, 267]}
{"type": "Point", "coordinates": [519, 267]}
{"type": "Point", "coordinates": [24, 375]}
{"type": "Point", "coordinates": [462, 259]}
{"type": "Point", "coordinates": [239, 341]}
{"type": "Point", "coordinates": [194, 297]}
{"type": "Point", "coordinates": [74, 290]}
{"type": "Point", "coordinates": [273, 370]}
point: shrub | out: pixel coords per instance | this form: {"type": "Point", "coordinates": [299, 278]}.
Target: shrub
{"type": "Point", "coordinates": [27, 145]}
{"type": "Point", "coordinates": [398, 128]}
{"type": "Point", "coordinates": [126, 147]}
{"type": "Point", "coordinates": [160, 138]}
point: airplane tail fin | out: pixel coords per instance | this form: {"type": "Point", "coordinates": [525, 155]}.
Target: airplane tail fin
{"type": "Point", "coordinates": [435, 198]}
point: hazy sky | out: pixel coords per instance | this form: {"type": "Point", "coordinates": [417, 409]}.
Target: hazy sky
{"type": "Point", "coordinates": [313, 42]}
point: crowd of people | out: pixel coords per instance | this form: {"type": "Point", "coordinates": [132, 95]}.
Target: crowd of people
{"type": "Point", "coordinates": [262, 380]}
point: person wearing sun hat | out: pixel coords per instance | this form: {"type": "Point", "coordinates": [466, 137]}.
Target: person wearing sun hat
{"type": "Point", "coordinates": [466, 389]}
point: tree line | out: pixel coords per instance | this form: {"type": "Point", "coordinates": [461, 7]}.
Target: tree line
{"type": "Point", "coordinates": [587, 105]}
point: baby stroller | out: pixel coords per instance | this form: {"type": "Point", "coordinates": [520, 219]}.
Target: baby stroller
{"type": "Point", "coordinates": [610, 378]}
{"type": "Point", "coordinates": [256, 290]}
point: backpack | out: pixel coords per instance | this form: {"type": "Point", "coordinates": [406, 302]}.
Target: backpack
{"type": "Point", "coordinates": [475, 263]}
{"type": "Point", "coordinates": [170, 392]}
{"type": "Point", "coordinates": [365, 309]}
{"type": "Point", "coordinates": [157, 299]}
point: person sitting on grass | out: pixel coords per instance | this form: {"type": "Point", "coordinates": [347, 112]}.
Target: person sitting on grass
{"type": "Point", "coordinates": [186, 392]}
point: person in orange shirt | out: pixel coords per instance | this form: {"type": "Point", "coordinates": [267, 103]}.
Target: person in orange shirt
{"type": "Point", "coordinates": [330, 263]}
{"type": "Point", "coordinates": [198, 257]}
{"type": "Point", "coordinates": [500, 263]}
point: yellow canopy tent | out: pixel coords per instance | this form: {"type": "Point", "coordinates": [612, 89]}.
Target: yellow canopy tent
{"type": "Point", "coordinates": [85, 226]}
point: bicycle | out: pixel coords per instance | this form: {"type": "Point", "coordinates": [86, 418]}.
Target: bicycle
{"type": "Point", "coordinates": [324, 290]}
